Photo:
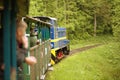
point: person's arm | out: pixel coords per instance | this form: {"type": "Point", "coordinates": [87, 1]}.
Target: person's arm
{"type": "Point", "coordinates": [20, 56]}
{"type": "Point", "coordinates": [30, 60]}
{"type": "Point", "coordinates": [25, 42]}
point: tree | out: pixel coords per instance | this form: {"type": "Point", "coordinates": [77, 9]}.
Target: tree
{"type": "Point", "coordinates": [99, 10]}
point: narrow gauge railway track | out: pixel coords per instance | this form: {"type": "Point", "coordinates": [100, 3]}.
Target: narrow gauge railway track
{"type": "Point", "coordinates": [84, 48]}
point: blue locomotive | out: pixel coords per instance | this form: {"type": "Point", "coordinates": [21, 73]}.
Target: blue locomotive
{"type": "Point", "coordinates": [59, 41]}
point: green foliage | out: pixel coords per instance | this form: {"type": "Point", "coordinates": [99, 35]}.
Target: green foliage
{"type": "Point", "coordinates": [99, 8]}
{"type": "Point", "coordinates": [78, 16]}
{"type": "Point", "coordinates": [115, 18]}
{"type": "Point", "coordinates": [36, 8]}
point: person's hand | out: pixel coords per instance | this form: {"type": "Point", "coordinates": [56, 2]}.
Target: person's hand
{"type": "Point", "coordinates": [31, 60]}
{"type": "Point", "coordinates": [25, 41]}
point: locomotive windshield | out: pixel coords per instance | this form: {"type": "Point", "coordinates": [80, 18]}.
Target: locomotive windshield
{"type": "Point", "coordinates": [55, 23]}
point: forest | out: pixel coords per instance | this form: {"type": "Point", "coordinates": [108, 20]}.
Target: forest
{"type": "Point", "coordinates": [82, 18]}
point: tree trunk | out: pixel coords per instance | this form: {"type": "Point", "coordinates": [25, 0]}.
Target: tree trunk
{"type": "Point", "coordinates": [95, 25]}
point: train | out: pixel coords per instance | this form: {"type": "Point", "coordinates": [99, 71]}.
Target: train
{"type": "Point", "coordinates": [59, 42]}
{"type": "Point", "coordinates": [47, 42]}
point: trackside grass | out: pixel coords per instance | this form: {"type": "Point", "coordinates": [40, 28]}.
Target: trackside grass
{"type": "Point", "coordinates": [91, 41]}
{"type": "Point", "coordinates": [100, 63]}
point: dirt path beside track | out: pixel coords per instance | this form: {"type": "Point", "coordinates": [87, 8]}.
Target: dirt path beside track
{"type": "Point", "coordinates": [84, 48]}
